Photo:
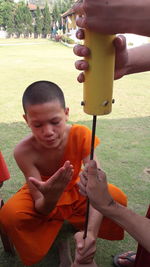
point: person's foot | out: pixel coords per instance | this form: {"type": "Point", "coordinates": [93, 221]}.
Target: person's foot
{"type": "Point", "coordinates": [65, 253]}
{"type": "Point", "coordinates": [126, 259]}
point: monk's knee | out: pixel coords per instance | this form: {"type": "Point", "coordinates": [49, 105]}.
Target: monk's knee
{"type": "Point", "coordinates": [117, 194]}
{"type": "Point", "coordinates": [9, 216]}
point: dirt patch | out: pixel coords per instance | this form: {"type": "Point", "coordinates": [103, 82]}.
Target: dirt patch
{"type": "Point", "coordinates": [147, 170]}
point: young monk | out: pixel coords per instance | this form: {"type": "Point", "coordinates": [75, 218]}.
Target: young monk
{"type": "Point", "coordinates": [4, 173]}
{"type": "Point", "coordinates": [50, 159]}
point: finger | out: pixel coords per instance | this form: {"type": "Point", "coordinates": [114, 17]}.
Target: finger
{"type": "Point", "coordinates": [82, 193]}
{"type": "Point", "coordinates": [81, 50]}
{"type": "Point", "coordinates": [92, 169]}
{"type": "Point", "coordinates": [80, 242]}
{"type": "Point", "coordinates": [85, 260]}
{"type": "Point", "coordinates": [66, 164]}
{"type": "Point", "coordinates": [67, 168]}
{"type": "Point", "coordinates": [66, 175]}
{"type": "Point", "coordinates": [81, 65]}
{"type": "Point", "coordinates": [80, 34]}
{"type": "Point", "coordinates": [81, 77]}
{"type": "Point", "coordinates": [69, 172]}
{"type": "Point", "coordinates": [81, 22]}
{"type": "Point", "coordinates": [101, 175]}
{"type": "Point", "coordinates": [85, 170]}
{"type": "Point", "coordinates": [82, 189]}
{"type": "Point", "coordinates": [120, 42]}
{"type": "Point", "coordinates": [57, 175]}
{"type": "Point", "coordinates": [83, 178]}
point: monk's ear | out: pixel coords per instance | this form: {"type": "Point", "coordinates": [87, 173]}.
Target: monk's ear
{"type": "Point", "coordinates": [67, 113]}
{"type": "Point", "coordinates": [25, 118]}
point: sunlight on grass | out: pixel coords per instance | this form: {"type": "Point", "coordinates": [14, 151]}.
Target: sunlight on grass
{"type": "Point", "coordinates": [22, 65]}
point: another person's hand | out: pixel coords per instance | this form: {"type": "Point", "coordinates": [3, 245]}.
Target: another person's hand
{"type": "Point", "coordinates": [121, 58]}
{"type": "Point", "coordinates": [85, 248]}
{"type": "Point", "coordinates": [111, 17]}
{"type": "Point", "coordinates": [93, 183]}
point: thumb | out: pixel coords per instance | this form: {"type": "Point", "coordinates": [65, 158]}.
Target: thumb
{"type": "Point", "coordinates": [92, 168]}
{"type": "Point", "coordinates": [120, 42]}
{"type": "Point", "coordinates": [80, 242]}
{"type": "Point", "coordinates": [35, 182]}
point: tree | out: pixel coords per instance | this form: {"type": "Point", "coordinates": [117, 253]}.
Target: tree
{"type": "Point", "coordinates": [19, 19]}
{"type": "Point", "coordinates": [23, 20]}
{"type": "Point", "coordinates": [38, 22]}
{"type": "Point", "coordinates": [1, 12]}
{"type": "Point", "coordinates": [59, 7]}
{"type": "Point", "coordinates": [28, 20]}
{"type": "Point", "coordinates": [7, 10]}
{"type": "Point", "coordinates": [46, 21]}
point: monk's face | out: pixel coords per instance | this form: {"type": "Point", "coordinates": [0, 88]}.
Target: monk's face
{"type": "Point", "coordinates": [48, 123]}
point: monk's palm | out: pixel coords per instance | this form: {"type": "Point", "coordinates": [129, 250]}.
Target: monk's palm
{"type": "Point", "coordinates": [56, 184]}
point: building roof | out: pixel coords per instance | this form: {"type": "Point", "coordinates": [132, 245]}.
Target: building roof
{"type": "Point", "coordinates": [32, 6]}
{"type": "Point", "coordinates": [70, 11]}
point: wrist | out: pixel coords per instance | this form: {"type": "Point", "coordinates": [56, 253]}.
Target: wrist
{"type": "Point", "coordinates": [109, 209]}
{"type": "Point", "coordinates": [44, 206]}
{"type": "Point", "coordinates": [129, 64]}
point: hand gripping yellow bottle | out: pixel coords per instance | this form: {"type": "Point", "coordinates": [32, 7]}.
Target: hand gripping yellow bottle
{"type": "Point", "coordinates": [98, 85]}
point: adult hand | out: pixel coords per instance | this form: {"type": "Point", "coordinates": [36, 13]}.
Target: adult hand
{"type": "Point", "coordinates": [121, 58]}
{"type": "Point", "coordinates": [85, 248]}
{"type": "Point", "coordinates": [93, 183]}
{"type": "Point", "coordinates": [111, 17]}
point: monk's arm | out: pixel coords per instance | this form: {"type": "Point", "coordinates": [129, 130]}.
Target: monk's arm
{"type": "Point", "coordinates": [53, 187]}
{"type": "Point", "coordinates": [42, 204]}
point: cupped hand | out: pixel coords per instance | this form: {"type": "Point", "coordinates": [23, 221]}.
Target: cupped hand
{"type": "Point", "coordinates": [56, 184]}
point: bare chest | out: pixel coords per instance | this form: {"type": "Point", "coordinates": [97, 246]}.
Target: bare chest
{"type": "Point", "coordinates": [49, 163]}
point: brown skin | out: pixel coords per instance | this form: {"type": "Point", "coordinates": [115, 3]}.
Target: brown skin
{"type": "Point", "coordinates": [127, 61]}
{"type": "Point", "coordinates": [111, 17]}
{"type": "Point", "coordinates": [121, 58]}
{"type": "Point", "coordinates": [41, 153]}
{"type": "Point", "coordinates": [93, 183]}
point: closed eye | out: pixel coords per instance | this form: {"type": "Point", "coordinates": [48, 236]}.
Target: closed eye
{"type": "Point", "coordinates": [55, 122]}
{"type": "Point", "coordinates": [37, 125]}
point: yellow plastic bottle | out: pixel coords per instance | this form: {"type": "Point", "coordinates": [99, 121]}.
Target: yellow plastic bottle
{"type": "Point", "coordinates": [98, 85]}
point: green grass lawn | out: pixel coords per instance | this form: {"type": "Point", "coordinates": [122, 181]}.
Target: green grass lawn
{"type": "Point", "coordinates": [125, 133]}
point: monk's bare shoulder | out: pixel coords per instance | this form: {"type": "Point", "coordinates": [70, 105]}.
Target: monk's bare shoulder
{"type": "Point", "coordinates": [25, 148]}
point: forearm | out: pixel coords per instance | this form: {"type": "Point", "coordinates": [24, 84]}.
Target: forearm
{"type": "Point", "coordinates": [138, 59]}
{"type": "Point", "coordinates": [136, 225]}
{"type": "Point", "coordinates": [140, 18]}
{"type": "Point", "coordinates": [135, 16]}
{"type": "Point", "coordinates": [95, 219]}
{"type": "Point", "coordinates": [44, 206]}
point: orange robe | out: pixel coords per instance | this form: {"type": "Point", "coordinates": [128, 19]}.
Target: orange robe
{"type": "Point", "coordinates": [33, 233]}
{"type": "Point", "coordinates": [4, 173]}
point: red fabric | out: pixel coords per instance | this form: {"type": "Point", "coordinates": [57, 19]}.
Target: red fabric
{"type": "Point", "coordinates": [143, 256]}
{"type": "Point", "coordinates": [4, 173]}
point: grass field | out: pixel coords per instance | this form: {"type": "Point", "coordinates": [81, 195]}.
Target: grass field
{"type": "Point", "coordinates": [125, 133]}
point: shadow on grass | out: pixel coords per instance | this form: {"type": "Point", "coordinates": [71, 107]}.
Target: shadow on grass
{"type": "Point", "coordinates": [124, 155]}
